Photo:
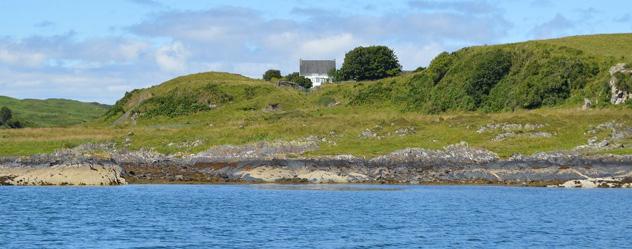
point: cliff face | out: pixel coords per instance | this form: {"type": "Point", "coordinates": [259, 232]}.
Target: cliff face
{"type": "Point", "coordinates": [269, 163]}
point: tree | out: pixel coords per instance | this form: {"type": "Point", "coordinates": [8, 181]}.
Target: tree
{"type": "Point", "coordinates": [271, 74]}
{"type": "Point", "coordinates": [5, 115]}
{"type": "Point", "coordinates": [299, 80]}
{"type": "Point", "coordinates": [370, 63]}
{"type": "Point", "coordinates": [335, 75]}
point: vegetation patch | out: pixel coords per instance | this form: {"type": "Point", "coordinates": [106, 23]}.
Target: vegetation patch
{"type": "Point", "coordinates": [181, 101]}
{"type": "Point", "coordinates": [624, 81]}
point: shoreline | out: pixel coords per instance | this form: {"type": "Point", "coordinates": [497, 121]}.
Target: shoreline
{"type": "Point", "coordinates": [271, 163]}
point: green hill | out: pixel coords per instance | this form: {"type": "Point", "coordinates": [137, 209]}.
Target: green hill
{"type": "Point", "coordinates": [536, 86]}
{"type": "Point", "coordinates": [52, 112]}
{"type": "Point", "coordinates": [496, 78]}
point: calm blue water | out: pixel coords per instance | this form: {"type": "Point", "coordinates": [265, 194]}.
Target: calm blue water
{"type": "Point", "coordinates": [313, 216]}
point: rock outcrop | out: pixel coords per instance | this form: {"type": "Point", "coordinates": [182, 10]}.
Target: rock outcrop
{"type": "Point", "coordinates": [618, 96]}
{"type": "Point", "coordinates": [63, 174]}
{"type": "Point", "coordinates": [458, 164]}
{"type": "Point", "coordinates": [281, 162]}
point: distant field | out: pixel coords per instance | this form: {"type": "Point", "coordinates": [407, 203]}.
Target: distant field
{"type": "Point", "coordinates": [53, 112]}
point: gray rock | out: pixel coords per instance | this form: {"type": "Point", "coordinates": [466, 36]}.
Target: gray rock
{"type": "Point", "coordinates": [618, 96]}
{"type": "Point", "coordinates": [368, 134]}
{"type": "Point", "coordinates": [587, 104]}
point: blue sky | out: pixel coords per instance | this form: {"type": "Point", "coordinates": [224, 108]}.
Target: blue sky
{"type": "Point", "coordinates": [97, 50]}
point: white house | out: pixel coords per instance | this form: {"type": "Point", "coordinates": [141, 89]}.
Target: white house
{"type": "Point", "coordinates": [317, 70]}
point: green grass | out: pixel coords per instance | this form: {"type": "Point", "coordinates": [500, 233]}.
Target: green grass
{"type": "Point", "coordinates": [52, 112]}
{"type": "Point", "coordinates": [432, 131]}
{"type": "Point", "coordinates": [614, 45]}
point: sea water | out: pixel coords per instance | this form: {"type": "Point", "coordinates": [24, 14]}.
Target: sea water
{"type": "Point", "coordinates": [314, 216]}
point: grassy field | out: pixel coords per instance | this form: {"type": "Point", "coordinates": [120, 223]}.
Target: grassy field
{"type": "Point", "coordinates": [52, 112]}
{"type": "Point", "coordinates": [341, 127]}
{"type": "Point", "coordinates": [542, 84]}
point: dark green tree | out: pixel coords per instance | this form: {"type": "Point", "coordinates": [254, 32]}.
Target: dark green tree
{"type": "Point", "coordinates": [299, 80]}
{"type": "Point", "coordinates": [271, 74]}
{"type": "Point", "coordinates": [5, 115]}
{"type": "Point", "coordinates": [335, 75]}
{"type": "Point", "coordinates": [370, 63]}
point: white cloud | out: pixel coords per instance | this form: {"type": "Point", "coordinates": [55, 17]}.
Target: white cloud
{"type": "Point", "coordinates": [414, 55]}
{"type": "Point", "coordinates": [327, 47]}
{"type": "Point", "coordinates": [21, 58]}
{"type": "Point", "coordinates": [172, 57]}
{"type": "Point", "coordinates": [131, 50]}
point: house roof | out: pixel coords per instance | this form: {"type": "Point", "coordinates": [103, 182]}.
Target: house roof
{"type": "Point", "coordinates": [320, 67]}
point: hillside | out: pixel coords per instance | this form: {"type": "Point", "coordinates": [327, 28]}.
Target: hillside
{"type": "Point", "coordinates": [52, 112]}
{"type": "Point", "coordinates": [495, 78]}
{"type": "Point", "coordinates": [511, 98]}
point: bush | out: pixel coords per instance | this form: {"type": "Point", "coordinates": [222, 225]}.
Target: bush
{"type": "Point", "coordinates": [271, 74]}
{"type": "Point", "coordinates": [299, 80]}
{"type": "Point", "coordinates": [370, 63]}
{"type": "Point", "coordinates": [523, 76]}
{"type": "Point", "coordinates": [543, 79]}
{"type": "Point", "coordinates": [624, 81]}
{"type": "Point", "coordinates": [439, 66]}
{"type": "Point", "coordinates": [466, 90]}
{"type": "Point", "coordinates": [7, 120]}
{"type": "Point", "coordinates": [14, 124]}
{"type": "Point", "coordinates": [419, 69]}
{"type": "Point", "coordinates": [118, 107]}
{"type": "Point", "coordinates": [5, 115]}
{"type": "Point", "coordinates": [335, 75]}
{"type": "Point", "coordinates": [377, 92]}
{"type": "Point", "coordinates": [184, 101]}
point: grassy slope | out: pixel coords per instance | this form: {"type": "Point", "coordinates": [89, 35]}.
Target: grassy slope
{"type": "Point", "coordinates": [615, 45]}
{"type": "Point", "coordinates": [53, 112]}
{"type": "Point", "coordinates": [341, 112]}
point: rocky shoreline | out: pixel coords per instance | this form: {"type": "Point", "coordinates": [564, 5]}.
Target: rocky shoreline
{"type": "Point", "coordinates": [280, 162]}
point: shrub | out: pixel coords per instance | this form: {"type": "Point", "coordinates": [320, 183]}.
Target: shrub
{"type": "Point", "coordinates": [543, 79]}
{"type": "Point", "coordinates": [468, 89]}
{"type": "Point", "coordinates": [335, 75]}
{"type": "Point", "coordinates": [5, 115]}
{"type": "Point", "coordinates": [7, 120]}
{"type": "Point", "coordinates": [377, 92]}
{"type": "Point", "coordinates": [624, 81]}
{"type": "Point", "coordinates": [184, 101]}
{"type": "Point", "coordinates": [439, 66]}
{"type": "Point", "coordinates": [271, 74]}
{"type": "Point", "coordinates": [118, 107]}
{"type": "Point", "coordinates": [300, 80]}
{"type": "Point", "coordinates": [419, 69]}
{"type": "Point", "coordinates": [14, 124]}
